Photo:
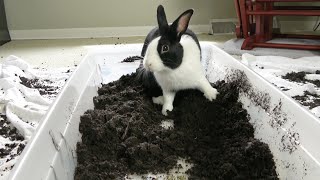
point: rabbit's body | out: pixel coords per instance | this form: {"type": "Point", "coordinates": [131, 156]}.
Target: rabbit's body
{"type": "Point", "coordinates": [172, 61]}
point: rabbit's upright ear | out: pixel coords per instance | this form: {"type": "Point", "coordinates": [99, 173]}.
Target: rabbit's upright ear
{"type": "Point", "coordinates": [180, 25]}
{"type": "Point", "coordinates": [162, 20]}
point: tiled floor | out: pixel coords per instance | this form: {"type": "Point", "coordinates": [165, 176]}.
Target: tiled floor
{"type": "Point", "coordinates": [68, 52]}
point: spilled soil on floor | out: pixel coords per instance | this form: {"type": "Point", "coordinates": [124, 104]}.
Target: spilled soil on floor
{"type": "Point", "coordinates": [9, 150]}
{"type": "Point", "coordinates": [40, 85]}
{"type": "Point", "coordinates": [122, 135]}
{"type": "Point", "coordinates": [309, 99]}
{"type": "Point", "coordinates": [300, 77]}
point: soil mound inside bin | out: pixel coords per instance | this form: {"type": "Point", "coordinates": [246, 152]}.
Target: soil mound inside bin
{"type": "Point", "coordinates": [122, 135]}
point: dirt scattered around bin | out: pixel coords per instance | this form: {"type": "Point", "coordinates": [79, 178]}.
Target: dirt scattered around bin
{"type": "Point", "coordinates": [13, 149]}
{"type": "Point", "coordinates": [301, 77]}
{"type": "Point", "coordinates": [48, 83]}
{"type": "Point", "coordinates": [40, 85]}
{"type": "Point", "coordinates": [7, 131]}
{"type": "Point", "coordinates": [122, 135]}
{"type": "Point", "coordinates": [308, 99]}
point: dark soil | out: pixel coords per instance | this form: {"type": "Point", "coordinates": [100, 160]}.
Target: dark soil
{"type": "Point", "coordinates": [295, 76]}
{"type": "Point", "coordinates": [6, 131]}
{"type": "Point", "coordinates": [122, 135]}
{"type": "Point", "coordinates": [308, 99]}
{"type": "Point", "coordinates": [132, 59]}
{"type": "Point", "coordinates": [39, 84]}
{"type": "Point", "coordinates": [301, 78]}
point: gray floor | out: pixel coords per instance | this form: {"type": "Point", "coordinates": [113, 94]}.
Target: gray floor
{"type": "Point", "coordinates": [69, 52]}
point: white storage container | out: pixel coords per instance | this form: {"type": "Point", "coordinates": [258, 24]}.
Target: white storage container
{"type": "Point", "coordinates": [292, 132]}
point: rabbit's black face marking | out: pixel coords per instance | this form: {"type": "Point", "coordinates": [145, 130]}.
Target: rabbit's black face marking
{"type": "Point", "coordinates": [170, 52]}
{"type": "Point", "coordinates": [169, 48]}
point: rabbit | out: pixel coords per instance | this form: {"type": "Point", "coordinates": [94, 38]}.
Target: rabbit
{"type": "Point", "coordinates": [172, 60]}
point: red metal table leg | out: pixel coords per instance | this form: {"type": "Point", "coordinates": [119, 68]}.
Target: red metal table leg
{"type": "Point", "coordinates": [239, 32]}
{"type": "Point", "coordinates": [259, 24]}
{"type": "Point", "coordinates": [287, 46]}
{"type": "Point", "coordinates": [262, 12]}
{"type": "Point", "coordinates": [244, 18]}
{"type": "Point", "coordinates": [248, 43]}
{"type": "Point", "coordinates": [268, 22]}
{"type": "Point", "coordinates": [297, 36]}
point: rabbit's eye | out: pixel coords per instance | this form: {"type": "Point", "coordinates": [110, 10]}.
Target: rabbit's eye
{"type": "Point", "coordinates": [165, 48]}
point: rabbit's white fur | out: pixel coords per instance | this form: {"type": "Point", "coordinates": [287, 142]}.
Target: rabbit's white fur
{"type": "Point", "coordinates": [189, 75]}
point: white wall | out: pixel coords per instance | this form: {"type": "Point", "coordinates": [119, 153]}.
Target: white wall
{"type": "Point", "coordinates": [41, 19]}
{"type": "Point", "coordinates": [60, 14]}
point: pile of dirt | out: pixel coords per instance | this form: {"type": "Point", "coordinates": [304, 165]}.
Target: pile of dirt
{"type": "Point", "coordinates": [40, 85]}
{"type": "Point", "coordinates": [122, 135]}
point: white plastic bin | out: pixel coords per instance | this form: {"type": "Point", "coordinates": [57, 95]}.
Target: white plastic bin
{"type": "Point", "coordinates": [292, 132]}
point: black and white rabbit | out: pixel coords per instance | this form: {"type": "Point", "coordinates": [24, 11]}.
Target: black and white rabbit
{"type": "Point", "coordinates": [172, 56]}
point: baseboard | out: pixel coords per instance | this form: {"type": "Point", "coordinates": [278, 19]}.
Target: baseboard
{"type": "Point", "coordinates": [233, 20]}
{"type": "Point", "coordinates": [223, 26]}
{"type": "Point", "coordinates": [100, 32]}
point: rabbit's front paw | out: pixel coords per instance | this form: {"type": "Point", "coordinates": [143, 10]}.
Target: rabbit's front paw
{"type": "Point", "coordinates": [165, 108]}
{"type": "Point", "coordinates": [158, 100]}
{"type": "Point", "coordinates": [211, 94]}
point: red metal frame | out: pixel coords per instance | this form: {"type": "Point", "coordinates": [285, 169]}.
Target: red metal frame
{"type": "Point", "coordinates": [256, 23]}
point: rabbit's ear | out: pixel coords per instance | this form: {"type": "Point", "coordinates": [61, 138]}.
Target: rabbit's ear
{"type": "Point", "coordinates": [180, 25]}
{"type": "Point", "coordinates": [162, 20]}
